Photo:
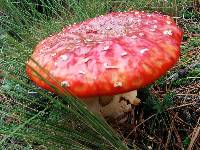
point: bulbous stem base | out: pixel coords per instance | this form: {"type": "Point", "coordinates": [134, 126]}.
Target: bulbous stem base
{"type": "Point", "coordinates": [112, 106]}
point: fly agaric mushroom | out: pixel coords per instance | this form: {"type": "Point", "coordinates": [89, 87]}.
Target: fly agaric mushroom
{"type": "Point", "coordinates": [104, 60]}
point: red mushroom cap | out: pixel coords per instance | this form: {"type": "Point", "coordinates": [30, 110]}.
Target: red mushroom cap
{"type": "Point", "coordinates": [107, 55]}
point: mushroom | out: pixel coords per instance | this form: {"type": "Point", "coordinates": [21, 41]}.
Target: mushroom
{"type": "Point", "coordinates": [104, 60]}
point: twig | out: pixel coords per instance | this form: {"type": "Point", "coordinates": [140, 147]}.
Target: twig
{"type": "Point", "coordinates": [180, 120]}
{"type": "Point", "coordinates": [139, 125]}
{"type": "Point", "coordinates": [180, 145]}
{"type": "Point", "coordinates": [187, 95]}
{"type": "Point", "coordinates": [193, 77]}
{"type": "Point", "coordinates": [170, 132]}
{"type": "Point", "coordinates": [184, 105]}
{"type": "Point", "coordinates": [195, 135]}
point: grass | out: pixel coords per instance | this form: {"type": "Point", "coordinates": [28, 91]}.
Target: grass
{"type": "Point", "coordinates": [32, 118]}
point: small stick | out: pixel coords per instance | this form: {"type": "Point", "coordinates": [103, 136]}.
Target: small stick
{"type": "Point", "coordinates": [195, 135]}
{"type": "Point", "coordinates": [184, 105]}
{"type": "Point", "coordinates": [139, 125]}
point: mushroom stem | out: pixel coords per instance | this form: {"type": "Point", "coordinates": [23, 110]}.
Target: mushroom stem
{"type": "Point", "coordinates": [112, 106]}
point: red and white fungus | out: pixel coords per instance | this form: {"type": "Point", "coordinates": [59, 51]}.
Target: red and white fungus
{"type": "Point", "coordinates": [108, 57]}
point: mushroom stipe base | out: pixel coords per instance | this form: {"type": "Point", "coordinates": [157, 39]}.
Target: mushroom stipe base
{"type": "Point", "coordinates": [112, 106]}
